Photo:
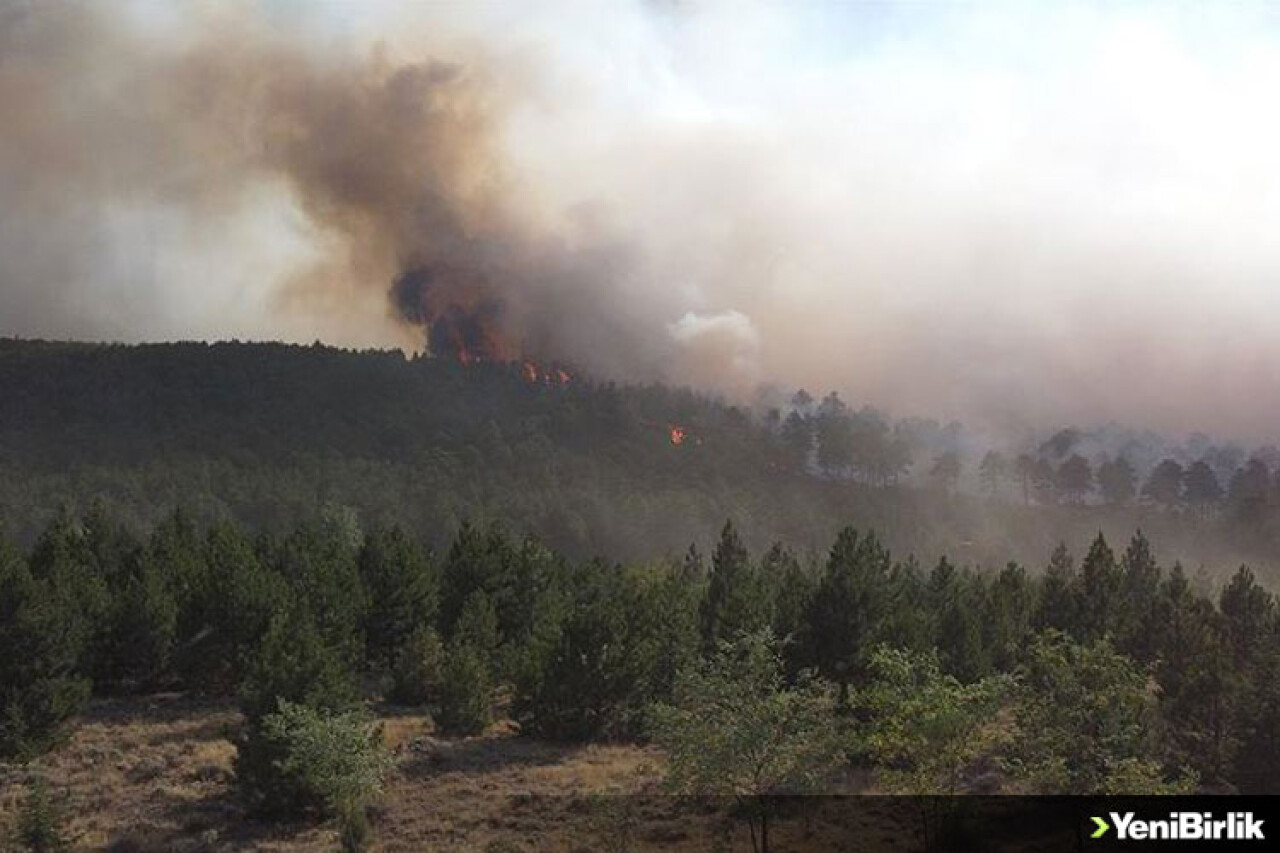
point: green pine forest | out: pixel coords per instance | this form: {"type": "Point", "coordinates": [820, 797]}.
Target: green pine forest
{"type": "Point", "coordinates": [319, 532]}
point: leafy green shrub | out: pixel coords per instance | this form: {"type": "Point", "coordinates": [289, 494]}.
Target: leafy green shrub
{"type": "Point", "coordinates": [735, 728]}
{"type": "Point", "coordinates": [330, 763]}
{"type": "Point", "coordinates": [294, 665]}
{"type": "Point", "coordinates": [40, 821]}
{"type": "Point", "coordinates": [926, 727]}
{"type": "Point", "coordinates": [1087, 722]}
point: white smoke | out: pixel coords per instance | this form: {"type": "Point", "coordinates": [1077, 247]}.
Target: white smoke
{"type": "Point", "coordinates": [1014, 214]}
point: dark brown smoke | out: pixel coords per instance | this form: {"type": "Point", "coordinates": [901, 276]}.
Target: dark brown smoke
{"type": "Point", "coordinates": [392, 161]}
{"type": "Point", "coordinates": [1019, 216]}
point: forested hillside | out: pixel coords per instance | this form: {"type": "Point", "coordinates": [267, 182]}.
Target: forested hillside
{"type": "Point", "coordinates": [262, 434]}
{"type": "Point", "coordinates": [324, 535]}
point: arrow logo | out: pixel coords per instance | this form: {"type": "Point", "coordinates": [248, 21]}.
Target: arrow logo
{"type": "Point", "coordinates": [1103, 826]}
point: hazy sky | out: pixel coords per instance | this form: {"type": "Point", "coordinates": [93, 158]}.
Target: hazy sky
{"type": "Point", "coordinates": [1014, 213]}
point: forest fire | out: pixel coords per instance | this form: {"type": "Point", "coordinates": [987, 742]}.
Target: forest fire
{"type": "Point", "coordinates": [464, 325]}
{"type": "Point", "coordinates": [460, 322]}
{"type": "Point", "coordinates": [538, 374]}
{"type": "Point", "coordinates": [678, 434]}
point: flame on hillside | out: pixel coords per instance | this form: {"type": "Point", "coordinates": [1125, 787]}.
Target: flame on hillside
{"type": "Point", "coordinates": [538, 374]}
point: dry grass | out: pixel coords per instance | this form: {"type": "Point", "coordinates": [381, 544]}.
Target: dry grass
{"type": "Point", "coordinates": [154, 774]}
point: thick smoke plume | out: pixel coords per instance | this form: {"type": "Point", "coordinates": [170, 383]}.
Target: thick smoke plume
{"type": "Point", "coordinates": [384, 167]}
{"type": "Point", "coordinates": [1017, 216]}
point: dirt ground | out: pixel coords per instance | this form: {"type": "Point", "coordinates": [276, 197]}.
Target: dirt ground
{"type": "Point", "coordinates": [155, 774]}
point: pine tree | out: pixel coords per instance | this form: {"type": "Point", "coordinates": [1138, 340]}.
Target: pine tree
{"type": "Point", "coordinates": [1202, 488]}
{"type": "Point", "coordinates": [834, 432]}
{"type": "Point", "coordinates": [1250, 617]}
{"type": "Point", "coordinates": [466, 690]}
{"type": "Point", "coordinates": [956, 602]}
{"type": "Point", "coordinates": [418, 669]}
{"type": "Point", "coordinates": [591, 684]}
{"type": "Point", "coordinates": [732, 603]}
{"type": "Point", "coordinates": [1256, 769]}
{"type": "Point", "coordinates": [1056, 607]}
{"type": "Point", "coordinates": [41, 635]}
{"type": "Point", "coordinates": [1074, 480]}
{"type": "Point", "coordinates": [143, 628]}
{"type": "Point", "coordinates": [477, 628]}
{"type": "Point", "coordinates": [1164, 485]}
{"type": "Point", "coordinates": [241, 599]}
{"type": "Point", "coordinates": [319, 560]}
{"type": "Point", "coordinates": [403, 591]}
{"type": "Point", "coordinates": [1198, 690]}
{"type": "Point", "coordinates": [40, 822]}
{"type": "Point", "coordinates": [1100, 587]}
{"type": "Point", "coordinates": [992, 470]}
{"type": "Point", "coordinates": [1139, 587]}
{"type": "Point", "coordinates": [790, 588]}
{"type": "Point", "coordinates": [476, 561]}
{"type": "Point", "coordinates": [62, 559]}
{"type": "Point", "coordinates": [797, 439]}
{"type": "Point", "coordinates": [846, 614]}
{"type": "Point", "coordinates": [1009, 607]}
{"type": "Point", "coordinates": [293, 664]}
{"type": "Point", "coordinates": [1117, 480]}
{"type": "Point", "coordinates": [177, 553]}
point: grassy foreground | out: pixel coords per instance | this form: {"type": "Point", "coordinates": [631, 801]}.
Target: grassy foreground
{"type": "Point", "coordinates": [154, 773]}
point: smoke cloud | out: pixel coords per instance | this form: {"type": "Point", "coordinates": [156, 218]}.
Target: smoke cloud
{"type": "Point", "coordinates": [1015, 216]}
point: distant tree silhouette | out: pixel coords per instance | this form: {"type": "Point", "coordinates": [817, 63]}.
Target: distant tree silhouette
{"type": "Point", "coordinates": [992, 470]}
{"type": "Point", "coordinates": [1025, 466]}
{"type": "Point", "coordinates": [1164, 485]}
{"type": "Point", "coordinates": [1202, 488]}
{"type": "Point", "coordinates": [1074, 479]}
{"type": "Point", "coordinates": [1044, 481]}
{"type": "Point", "coordinates": [1249, 491]}
{"type": "Point", "coordinates": [835, 435]}
{"type": "Point", "coordinates": [1117, 481]}
{"type": "Point", "coordinates": [946, 471]}
{"type": "Point", "coordinates": [797, 439]}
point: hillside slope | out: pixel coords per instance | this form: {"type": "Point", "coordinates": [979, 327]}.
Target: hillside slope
{"type": "Point", "coordinates": [263, 433]}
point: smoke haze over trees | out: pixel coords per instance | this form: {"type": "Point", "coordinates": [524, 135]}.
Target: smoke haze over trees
{"type": "Point", "coordinates": [259, 433]}
{"type": "Point", "coordinates": [1017, 217]}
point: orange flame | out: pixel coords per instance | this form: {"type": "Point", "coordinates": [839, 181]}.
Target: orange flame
{"type": "Point", "coordinates": [535, 374]}
{"type": "Point", "coordinates": [678, 434]}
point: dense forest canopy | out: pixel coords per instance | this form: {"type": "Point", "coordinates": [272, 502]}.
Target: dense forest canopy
{"type": "Point", "coordinates": [263, 433]}
{"type": "Point", "coordinates": [1113, 672]}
